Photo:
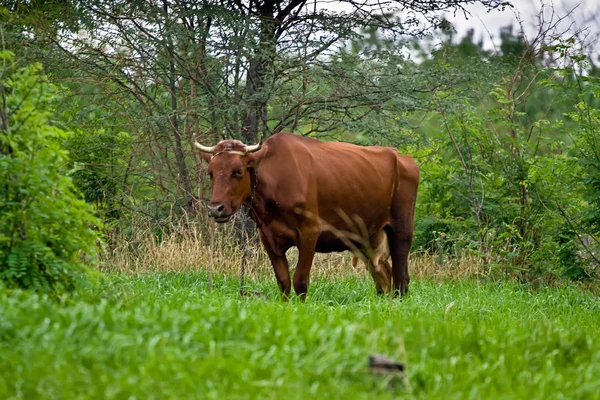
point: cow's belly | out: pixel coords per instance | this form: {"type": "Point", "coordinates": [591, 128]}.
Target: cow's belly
{"type": "Point", "coordinates": [329, 242]}
{"type": "Point", "coordinates": [355, 231]}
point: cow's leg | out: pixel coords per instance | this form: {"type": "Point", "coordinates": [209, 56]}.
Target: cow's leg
{"type": "Point", "coordinates": [400, 236]}
{"type": "Point", "coordinates": [377, 277]}
{"type": "Point", "coordinates": [306, 254]}
{"type": "Point", "coordinates": [384, 277]}
{"type": "Point", "coordinates": [281, 268]}
{"type": "Point", "coordinates": [385, 269]}
{"type": "Point", "coordinates": [400, 240]}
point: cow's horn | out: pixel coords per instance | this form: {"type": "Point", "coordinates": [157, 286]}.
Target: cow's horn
{"type": "Point", "coordinates": [204, 149]}
{"type": "Point", "coordinates": [253, 148]}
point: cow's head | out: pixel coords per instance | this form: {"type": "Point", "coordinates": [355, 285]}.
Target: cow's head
{"type": "Point", "coordinates": [229, 166]}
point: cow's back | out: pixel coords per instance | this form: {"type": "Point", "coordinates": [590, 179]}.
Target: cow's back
{"type": "Point", "coordinates": [332, 181]}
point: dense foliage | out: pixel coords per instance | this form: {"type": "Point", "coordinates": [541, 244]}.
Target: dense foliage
{"type": "Point", "coordinates": [510, 168]}
{"type": "Point", "coordinates": [45, 228]}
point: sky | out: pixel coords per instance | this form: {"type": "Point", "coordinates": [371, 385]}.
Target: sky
{"type": "Point", "coordinates": [582, 15]}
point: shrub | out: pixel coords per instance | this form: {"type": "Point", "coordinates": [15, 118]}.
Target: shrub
{"type": "Point", "coordinates": [46, 230]}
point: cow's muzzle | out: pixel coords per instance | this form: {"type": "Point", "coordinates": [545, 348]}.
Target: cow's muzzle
{"type": "Point", "coordinates": [217, 211]}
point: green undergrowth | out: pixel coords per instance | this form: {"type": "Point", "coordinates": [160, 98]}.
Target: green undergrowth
{"type": "Point", "coordinates": [165, 336]}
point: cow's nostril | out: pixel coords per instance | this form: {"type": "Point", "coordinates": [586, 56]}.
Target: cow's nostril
{"type": "Point", "coordinates": [215, 209]}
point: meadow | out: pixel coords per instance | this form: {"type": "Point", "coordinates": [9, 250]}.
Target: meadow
{"type": "Point", "coordinates": [101, 104]}
{"type": "Point", "coordinates": [166, 335]}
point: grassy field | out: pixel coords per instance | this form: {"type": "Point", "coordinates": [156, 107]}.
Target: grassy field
{"type": "Point", "coordinates": [165, 336]}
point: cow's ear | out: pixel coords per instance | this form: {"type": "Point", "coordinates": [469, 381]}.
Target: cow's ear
{"type": "Point", "coordinates": [206, 156]}
{"type": "Point", "coordinates": [255, 158]}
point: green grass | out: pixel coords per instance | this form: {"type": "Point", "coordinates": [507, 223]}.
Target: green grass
{"type": "Point", "coordinates": [164, 336]}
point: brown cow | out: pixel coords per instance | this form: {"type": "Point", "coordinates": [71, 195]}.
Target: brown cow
{"type": "Point", "coordinates": [303, 192]}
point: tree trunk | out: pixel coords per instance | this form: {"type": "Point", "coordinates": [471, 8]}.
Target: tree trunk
{"type": "Point", "coordinates": [173, 120]}
{"type": "Point", "coordinates": [5, 149]}
{"type": "Point", "coordinates": [258, 69]}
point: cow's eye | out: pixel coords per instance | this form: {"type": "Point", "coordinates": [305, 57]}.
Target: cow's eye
{"type": "Point", "coordinates": [210, 175]}
{"type": "Point", "coordinates": [237, 173]}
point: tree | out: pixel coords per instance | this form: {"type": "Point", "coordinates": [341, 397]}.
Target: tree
{"type": "Point", "coordinates": [216, 69]}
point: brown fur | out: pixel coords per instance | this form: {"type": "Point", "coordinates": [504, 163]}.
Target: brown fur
{"type": "Point", "coordinates": [229, 145]}
{"type": "Point", "coordinates": [305, 188]}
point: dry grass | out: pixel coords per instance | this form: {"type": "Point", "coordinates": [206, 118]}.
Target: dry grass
{"type": "Point", "coordinates": [195, 245]}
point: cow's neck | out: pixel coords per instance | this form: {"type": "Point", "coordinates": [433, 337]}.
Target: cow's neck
{"type": "Point", "coordinates": [256, 203]}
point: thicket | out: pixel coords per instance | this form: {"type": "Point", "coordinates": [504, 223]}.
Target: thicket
{"type": "Point", "coordinates": [47, 232]}
{"type": "Point", "coordinates": [507, 140]}
{"type": "Point", "coordinates": [511, 171]}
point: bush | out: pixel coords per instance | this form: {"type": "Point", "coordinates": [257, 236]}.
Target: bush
{"type": "Point", "coordinates": [46, 230]}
